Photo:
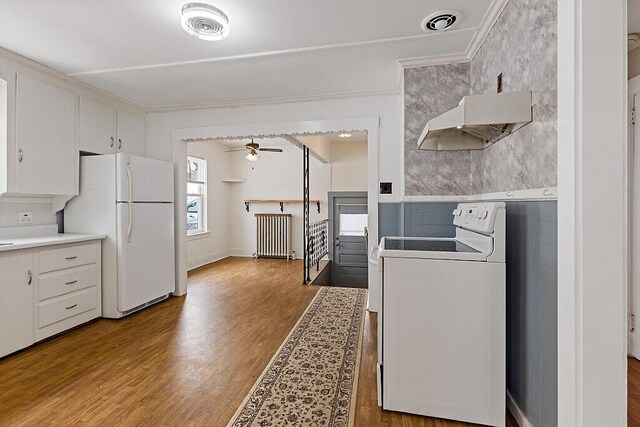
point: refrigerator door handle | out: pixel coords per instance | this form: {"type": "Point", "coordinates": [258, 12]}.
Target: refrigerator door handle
{"type": "Point", "coordinates": [130, 203]}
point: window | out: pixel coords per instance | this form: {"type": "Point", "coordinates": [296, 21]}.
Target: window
{"type": "Point", "coordinates": [353, 224]}
{"type": "Point", "coordinates": [196, 195]}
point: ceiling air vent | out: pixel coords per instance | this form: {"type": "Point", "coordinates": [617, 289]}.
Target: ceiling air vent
{"type": "Point", "coordinates": [440, 21]}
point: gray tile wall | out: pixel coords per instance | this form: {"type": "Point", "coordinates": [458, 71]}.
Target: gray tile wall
{"type": "Point", "coordinates": [531, 292]}
{"type": "Point", "coordinates": [429, 219]}
{"type": "Point", "coordinates": [532, 266]}
{"type": "Point", "coordinates": [390, 220]}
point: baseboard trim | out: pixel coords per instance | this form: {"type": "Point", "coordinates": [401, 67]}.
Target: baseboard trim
{"type": "Point", "coordinates": [517, 413]}
{"type": "Point", "coordinates": [207, 259]}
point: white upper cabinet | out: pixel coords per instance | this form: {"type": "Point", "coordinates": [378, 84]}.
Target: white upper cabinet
{"type": "Point", "coordinates": [130, 133]}
{"type": "Point", "coordinates": [46, 149]}
{"type": "Point", "coordinates": [105, 130]}
{"type": "Point", "coordinates": [16, 302]}
{"type": "Point", "coordinates": [97, 129]}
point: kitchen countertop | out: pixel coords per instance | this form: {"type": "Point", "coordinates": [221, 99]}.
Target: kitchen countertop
{"type": "Point", "coordinates": [38, 241]}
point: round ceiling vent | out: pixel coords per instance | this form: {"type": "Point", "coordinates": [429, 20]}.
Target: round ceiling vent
{"type": "Point", "coordinates": [205, 21]}
{"type": "Point", "coordinates": [440, 21]}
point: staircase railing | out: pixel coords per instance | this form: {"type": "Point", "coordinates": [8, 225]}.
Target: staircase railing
{"type": "Point", "coordinates": [318, 242]}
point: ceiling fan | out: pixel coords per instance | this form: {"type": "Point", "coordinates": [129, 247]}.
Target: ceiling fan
{"type": "Point", "coordinates": [253, 148]}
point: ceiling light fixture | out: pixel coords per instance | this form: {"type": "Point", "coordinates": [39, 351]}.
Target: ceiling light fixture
{"type": "Point", "coordinates": [205, 21]}
{"type": "Point", "coordinates": [345, 135]}
{"type": "Point", "coordinates": [252, 156]}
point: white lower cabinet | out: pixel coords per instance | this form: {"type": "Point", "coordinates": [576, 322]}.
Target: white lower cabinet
{"type": "Point", "coordinates": [16, 301]}
{"type": "Point", "coordinates": [45, 291]}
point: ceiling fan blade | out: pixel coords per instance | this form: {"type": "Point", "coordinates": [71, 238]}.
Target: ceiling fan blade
{"type": "Point", "coordinates": [233, 151]}
{"type": "Point", "coordinates": [272, 150]}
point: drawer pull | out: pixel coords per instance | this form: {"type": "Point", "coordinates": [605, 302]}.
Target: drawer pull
{"type": "Point", "coordinates": [71, 306]}
{"type": "Point", "coordinates": [69, 258]}
{"type": "Point", "coordinates": [71, 282]}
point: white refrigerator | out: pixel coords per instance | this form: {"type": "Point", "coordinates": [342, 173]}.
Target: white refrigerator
{"type": "Point", "coordinates": [130, 200]}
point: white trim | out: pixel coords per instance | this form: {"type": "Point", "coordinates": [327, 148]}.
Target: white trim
{"type": "Point", "coordinates": [242, 253]}
{"type": "Point", "coordinates": [550, 193]}
{"type": "Point", "coordinates": [517, 413]}
{"type": "Point", "coordinates": [198, 235]}
{"type": "Point", "coordinates": [592, 90]}
{"type": "Point", "coordinates": [425, 61]}
{"type": "Point", "coordinates": [489, 20]}
{"type": "Point", "coordinates": [22, 198]}
{"type": "Point", "coordinates": [633, 91]}
{"type": "Point", "coordinates": [271, 101]}
{"type": "Point", "coordinates": [207, 259]}
{"type": "Point", "coordinates": [56, 74]}
{"type": "Point", "coordinates": [272, 53]}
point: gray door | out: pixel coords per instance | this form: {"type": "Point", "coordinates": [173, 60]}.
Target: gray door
{"type": "Point", "coordinates": [349, 261]}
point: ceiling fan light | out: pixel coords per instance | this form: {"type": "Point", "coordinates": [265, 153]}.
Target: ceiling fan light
{"type": "Point", "coordinates": [345, 135]}
{"type": "Point", "coordinates": [252, 157]}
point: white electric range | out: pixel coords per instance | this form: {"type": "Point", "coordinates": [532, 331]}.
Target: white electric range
{"type": "Point", "coordinates": [441, 327]}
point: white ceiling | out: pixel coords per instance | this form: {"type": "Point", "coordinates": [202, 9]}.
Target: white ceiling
{"type": "Point", "coordinates": [277, 49]}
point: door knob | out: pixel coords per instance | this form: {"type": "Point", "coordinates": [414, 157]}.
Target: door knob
{"type": "Point", "coordinates": [337, 241]}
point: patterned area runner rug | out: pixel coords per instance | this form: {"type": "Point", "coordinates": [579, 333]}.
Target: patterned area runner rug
{"type": "Point", "coordinates": [313, 378]}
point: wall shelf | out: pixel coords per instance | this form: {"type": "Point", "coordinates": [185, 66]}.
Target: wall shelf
{"type": "Point", "coordinates": [234, 180]}
{"type": "Point", "coordinates": [247, 203]}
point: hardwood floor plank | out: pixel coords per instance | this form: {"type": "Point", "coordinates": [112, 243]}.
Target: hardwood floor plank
{"type": "Point", "coordinates": [186, 361]}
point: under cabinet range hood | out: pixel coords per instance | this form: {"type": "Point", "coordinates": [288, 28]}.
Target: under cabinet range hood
{"type": "Point", "coordinates": [477, 122]}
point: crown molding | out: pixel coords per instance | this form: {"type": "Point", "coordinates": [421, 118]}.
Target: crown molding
{"type": "Point", "coordinates": [38, 67]}
{"type": "Point", "coordinates": [489, 20]}
{"type": "Point", "coordinates": [426, 61]}
{"type": "Point", "coordinates": [481, 32]}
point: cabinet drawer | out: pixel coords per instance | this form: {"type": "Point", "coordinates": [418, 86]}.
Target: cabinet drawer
{"type": "Point", "coordinates": [72, 256]}
{"type": "Point", "coordinates": [66, 306]}
{"type": "Point", "coordinates": [66, 281]}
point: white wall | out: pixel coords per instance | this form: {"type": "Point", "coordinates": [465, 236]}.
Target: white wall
{"type": "Point", "coordinates": [214, 245]}
{"type": "Point", "coordinates": [387, 108]}
{"type": "Point", "coordinates": [274, 176]}
{"type": "Point", "coordinates": [349, 166]}
{"type": "Point", "coordinates": [232, 230]}
{"type": "Point", "coordinates": [634, 63]}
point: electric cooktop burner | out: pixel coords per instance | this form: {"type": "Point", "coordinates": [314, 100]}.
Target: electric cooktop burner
{"type": "Point", "coordinates": [427, 245]}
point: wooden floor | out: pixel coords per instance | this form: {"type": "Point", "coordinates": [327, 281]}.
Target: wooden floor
{"type": "Point", "coordinates": [633, 390]}
{"type": "Point", "coordinates": [186, 361]}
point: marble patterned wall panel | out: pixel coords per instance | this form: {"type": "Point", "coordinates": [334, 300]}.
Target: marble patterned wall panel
{"type": "Point", "coordinates": [523, 47]}
{"type": "Point", "coordinates": [428, 92]}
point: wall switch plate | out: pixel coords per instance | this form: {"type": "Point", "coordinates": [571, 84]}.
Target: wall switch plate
{"type": "Point", "coordinates": [386, 188]}
{"type": "Point", "coordinates": [25, 218]}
